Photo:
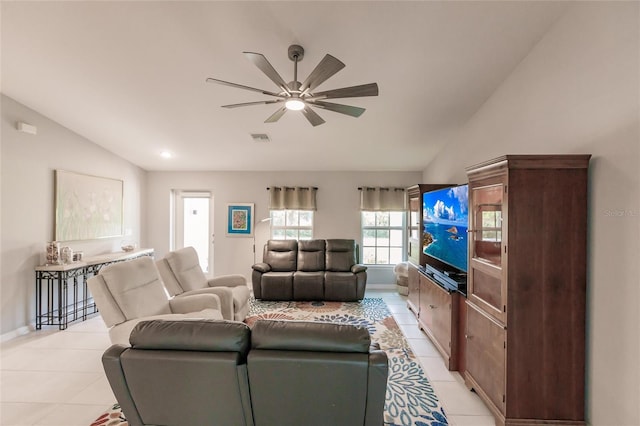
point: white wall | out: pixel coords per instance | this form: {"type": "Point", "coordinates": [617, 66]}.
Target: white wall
{"type": "Point", "coordinates": [338, 214]}
{"type": "Point", "coordinates": [578, 92]}
{"type": "Point", "coordinates": [27, 200]}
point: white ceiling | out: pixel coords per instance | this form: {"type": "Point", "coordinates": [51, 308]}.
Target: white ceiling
{"type": "Point", "coordinates": [130, 76]}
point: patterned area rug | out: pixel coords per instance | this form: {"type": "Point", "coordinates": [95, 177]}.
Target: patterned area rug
{"type": "Point", "coordinates": [410, 398]}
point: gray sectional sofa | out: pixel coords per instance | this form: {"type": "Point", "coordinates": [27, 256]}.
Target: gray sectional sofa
{"type": "Point", "coordinates": [310, 270]}
{"type": "Point", "coordinates": [286, 373]}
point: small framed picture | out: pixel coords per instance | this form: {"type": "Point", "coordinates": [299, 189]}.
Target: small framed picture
{"type": "Point", "coordinates": [240, 220]}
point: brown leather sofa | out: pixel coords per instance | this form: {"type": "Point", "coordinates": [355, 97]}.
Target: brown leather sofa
{"type": "Point", "coordinates": [310, 270]}
{"type": "Point", "coordinates": [289, 373]}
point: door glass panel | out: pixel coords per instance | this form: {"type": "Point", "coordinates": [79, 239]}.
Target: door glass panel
{"type": "Point", "coordinates": [487, 242]}
{"type": "Point", "coordinates": [196, 228]}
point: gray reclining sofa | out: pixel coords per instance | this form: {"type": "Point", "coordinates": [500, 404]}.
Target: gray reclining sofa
{"type": "Point", "coordinates": [286, 373]}
{"type": "Point", "coordinates": [310, 270]}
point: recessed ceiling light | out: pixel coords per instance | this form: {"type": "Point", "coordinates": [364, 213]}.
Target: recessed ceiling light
{"type": "Point", "coordinates": [165, 154]}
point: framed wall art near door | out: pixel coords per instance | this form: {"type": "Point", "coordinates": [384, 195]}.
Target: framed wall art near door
{"type": "Point", "coordinates": [240, 220]}
{"type": "Point", "coordinates": [87, 207]}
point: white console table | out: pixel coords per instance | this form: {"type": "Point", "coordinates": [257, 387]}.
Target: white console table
{"type": "Point", "coordinates": [64, 288]}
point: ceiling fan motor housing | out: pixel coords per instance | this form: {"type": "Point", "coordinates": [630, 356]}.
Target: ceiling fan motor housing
{"type": "Point", "coordinates": [296, 51]}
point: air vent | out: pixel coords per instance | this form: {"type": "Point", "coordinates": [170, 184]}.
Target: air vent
{"type": "Point", "coordinates": [260, 137]}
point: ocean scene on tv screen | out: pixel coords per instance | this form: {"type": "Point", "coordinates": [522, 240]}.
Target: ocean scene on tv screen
{"type": "Point", "coordinates": [446, 219]}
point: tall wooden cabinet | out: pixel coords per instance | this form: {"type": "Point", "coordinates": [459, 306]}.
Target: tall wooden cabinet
{"type": "Point", "coordinates": [525, 319]}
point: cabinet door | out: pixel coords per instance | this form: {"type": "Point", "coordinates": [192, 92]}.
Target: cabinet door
{"type": "Point", "coordinates": [441, 310]}
{"type": "Point", "coordinates": [485, 355]}
{"type": "Point", "coordinates": [413, 301]}
{"type": "Point", "coordinates": [487, 283]}
{"type": "Point", "coordinates": [426, 303]}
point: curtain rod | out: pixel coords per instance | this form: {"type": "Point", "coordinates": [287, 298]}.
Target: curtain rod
{"type": "Point", "coordinates": [383, 189]}
{"type": "Point", "coordinates": [294, 187]}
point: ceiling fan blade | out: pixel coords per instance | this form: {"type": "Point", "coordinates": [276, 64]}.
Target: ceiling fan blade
{"type": "Point", "coordinates": [240, 86]}
{"type": "Point", "coordinates": [353, 111]}
{"type": "Point", "coordinates": [312, 116]}
{"type": "Point", "coordinates": [327, 67]}
{"type": "Point", "coordinates": [370, 89]}
{"type": "Point", "coordinates": [261, 62]}
{"type": "Point", "coordinates": [253, 103]}
{"type": "Point", "coordinates": [276, 115]}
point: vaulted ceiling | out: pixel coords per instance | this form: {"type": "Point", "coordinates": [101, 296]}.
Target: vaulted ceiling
{"type": "Point", "coordinates": [130, 76]}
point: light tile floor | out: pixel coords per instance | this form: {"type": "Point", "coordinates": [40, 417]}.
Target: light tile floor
{"type": "Point", "coordinates": [55, 378]}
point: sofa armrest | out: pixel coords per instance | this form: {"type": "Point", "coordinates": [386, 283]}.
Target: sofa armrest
{"type": "Point", "coordinates": [377, 387]}
{"type": "Point", "coordinates": [233, 280]}
{"type": "Point", "coordinates": [224, 293]}
{"type": "Point", "coordinates": [117, 381]}
{"type": "Point", "coordinates": [358, 268]}
{"type": "Point", "coordinates": [194, 303]}
{"type": "Point", "coordinates": [261, 267]}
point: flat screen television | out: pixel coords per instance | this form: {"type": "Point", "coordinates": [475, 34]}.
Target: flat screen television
{"type": "Point", "coordinates": [445, 221]}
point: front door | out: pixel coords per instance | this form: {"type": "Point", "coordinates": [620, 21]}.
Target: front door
{"type": "Point", "coordinates": [193, 225]}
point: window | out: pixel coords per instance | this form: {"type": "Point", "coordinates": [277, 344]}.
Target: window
{"type": "Point", "coordinates": [291, 224]}
{"type": "Point", "coordinates": [383, 237]}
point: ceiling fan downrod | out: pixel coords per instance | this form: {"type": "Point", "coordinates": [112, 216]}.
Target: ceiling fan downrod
{"type": "Point", "coordinates": [295, 53]}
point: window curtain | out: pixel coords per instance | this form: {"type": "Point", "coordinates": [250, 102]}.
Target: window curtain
{"type": "Point", "coordinates": [379, 199]}
{"type": "Point", "coordinates": [292, 198]}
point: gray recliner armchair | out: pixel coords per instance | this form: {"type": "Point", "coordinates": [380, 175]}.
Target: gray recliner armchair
{"type": "Point", "coordinates": [182, 275]}
{"type": "Point", "coordinates": [132, 291]}
{"type": "Point", "coordinates": [316, 374]}
{"type": "Point", "coordinates": [182, 373]}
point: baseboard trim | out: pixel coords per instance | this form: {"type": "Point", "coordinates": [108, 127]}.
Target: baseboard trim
{"type": "Point", "coordinates": [15, 333]}
{"type": "Point", "coordinates": [381, 286]}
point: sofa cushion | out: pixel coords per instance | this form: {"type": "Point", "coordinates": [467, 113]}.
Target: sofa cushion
{"type": "Point", "coordinates": [281, 255]}
{"type": "Point", "coordinates": [277, 286]}
{"type": "Point", "coordinates": [309, 336]}
{"type": "Point", "coordinates": [192, 335]}
{"type": "Point", "coordinates": [308, 285]}
{"type": "Point", "coordinates": [311, 255]}
{"type": "Point", "coordinates": [340, 286]}
{"type": "Point", "coordinates": [137, 288]}
{"type": "Point", "coordinates": [341, 255]}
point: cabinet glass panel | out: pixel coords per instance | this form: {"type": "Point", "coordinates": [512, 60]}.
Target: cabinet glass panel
{"type": "Point", "coordinates": [414, 217]}
{"type": "Point", "coordinates": [487, 235]}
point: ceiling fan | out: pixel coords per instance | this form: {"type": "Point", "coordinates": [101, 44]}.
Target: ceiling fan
{"type": "Point", "coordinates": [298, 96]}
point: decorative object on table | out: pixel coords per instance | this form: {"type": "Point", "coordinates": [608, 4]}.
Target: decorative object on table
{"type": "Point", "coordinates": [128, 246]}
{"type": "Point", "coordinates": [53, 253]}
{"type": "Point", "coordinates": [240, 220]}
{"type": "Point", "coordinates": [87, 207]}
{"type": "Point", "coordinates": [77, 256]}
{"type": "Point", "coordinates": [66, 255]}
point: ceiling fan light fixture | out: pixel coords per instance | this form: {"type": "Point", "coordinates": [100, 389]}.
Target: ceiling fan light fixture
{"type": "Point", "coordinates": [302, 97]}
{"type": "Point", "coordinates": [294, 104]}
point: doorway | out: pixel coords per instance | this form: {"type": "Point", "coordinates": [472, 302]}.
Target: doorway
{"type": "Point", "coordinates": [193, 225]}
